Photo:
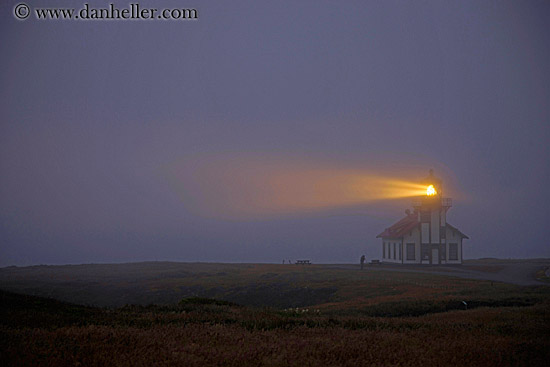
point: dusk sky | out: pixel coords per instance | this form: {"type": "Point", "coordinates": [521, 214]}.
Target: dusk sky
{"type": "Point", "coordinates": [137, 140]}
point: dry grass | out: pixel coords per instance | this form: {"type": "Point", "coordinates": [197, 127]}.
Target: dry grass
{"type": "Point", "coordinates": [367, 319]}
{"type": "Point", "coordinates": [482, 337]}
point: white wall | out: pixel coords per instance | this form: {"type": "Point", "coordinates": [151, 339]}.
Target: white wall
{"type": "Point", "coordinates": [389, 258]}
{"type": "Point", "coordinates": [453, 238]}
{"type": "Point", "coordinates": [425, 233]}
{"type": "Point", "coordinates": [413, 237]}
{"type": "Point", "coordinates": [435, 226]}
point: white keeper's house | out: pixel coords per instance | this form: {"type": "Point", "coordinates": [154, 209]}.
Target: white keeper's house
{"type": "Point", "coordinates": [424, 236]}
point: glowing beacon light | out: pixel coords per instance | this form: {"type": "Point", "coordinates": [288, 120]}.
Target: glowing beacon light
{"type": "Point", "coordinates": [431, 191]}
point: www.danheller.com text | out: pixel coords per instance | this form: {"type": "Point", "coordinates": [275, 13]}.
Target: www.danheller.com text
{"type": "Point", "coordinates": [133, 11]}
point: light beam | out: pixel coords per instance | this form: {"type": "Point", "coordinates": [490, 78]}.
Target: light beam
{"type": "Point", "coordinates": [238, 187]}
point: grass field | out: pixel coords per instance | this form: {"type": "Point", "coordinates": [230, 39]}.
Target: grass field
{"type": "Point", "coordinates": [260, 314]}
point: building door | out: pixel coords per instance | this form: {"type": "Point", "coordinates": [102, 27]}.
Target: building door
{"type": "Point", "coordinates": [435, 256]}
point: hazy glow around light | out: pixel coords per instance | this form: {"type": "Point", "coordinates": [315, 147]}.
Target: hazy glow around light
{"type": "Point", "coordinates": [430, 191]}
{"type": "Point", "coordinates": [252, 187]}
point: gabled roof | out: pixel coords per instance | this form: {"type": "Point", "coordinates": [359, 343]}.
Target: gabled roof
{"type": "Point", "coordinates": [406, 225]}
{"type": "Point", "coordinates": [400, 228]}
{"type": "Point", "coordinates": [456, 229]}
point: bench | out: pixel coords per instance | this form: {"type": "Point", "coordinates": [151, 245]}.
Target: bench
{"type": "Point", "coordinates": [303, 262]}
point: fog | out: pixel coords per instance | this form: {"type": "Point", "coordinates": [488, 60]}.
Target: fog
{"type": "Point", "coordinates": [261, 132]}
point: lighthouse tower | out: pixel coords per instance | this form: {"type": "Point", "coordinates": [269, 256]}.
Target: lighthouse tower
{"type": "Point", "coordinates": [431, 211]}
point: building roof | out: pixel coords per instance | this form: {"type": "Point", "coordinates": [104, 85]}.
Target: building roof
{"type": "Point", "coordinates": [460, 233]}
{"type": "Point", "coordinates": [400, 228]}
{"type": "Point", "coordinates": [406, 225]}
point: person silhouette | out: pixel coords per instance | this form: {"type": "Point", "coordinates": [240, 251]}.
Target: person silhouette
{"type": "Point", "coordinates": [362, 261]}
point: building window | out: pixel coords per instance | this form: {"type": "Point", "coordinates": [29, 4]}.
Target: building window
{"type": "Point", "coordinates": [425, 251]}
{"type": "Point", "coordinates": [394, 252]}
{"type": "Point", "coordinates": [443, 253]}
{"type": "Point", "coordinates": [383, 250]}
{"type": "Point", "coordinates": [453, 251]}
{"type": "Point", "coordinates": [410, 251]}
{"type": "Point", "coordinates": [400, 251]}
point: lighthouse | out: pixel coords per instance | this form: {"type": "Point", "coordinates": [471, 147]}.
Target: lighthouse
{"type": "Point", "coordinates": [424, 236]}
{"type": "Point", "coordinates": [431, 211]}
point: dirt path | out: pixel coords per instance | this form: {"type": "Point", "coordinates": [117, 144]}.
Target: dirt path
{"type": "Point", "coordinates": [520, 272]}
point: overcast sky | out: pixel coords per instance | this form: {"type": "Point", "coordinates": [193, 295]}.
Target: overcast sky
{"type": "Point", "coordinates": [101, 122]}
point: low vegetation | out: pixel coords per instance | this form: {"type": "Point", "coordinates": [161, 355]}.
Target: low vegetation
{"type": "Point", "coordinates": [374, 318]}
